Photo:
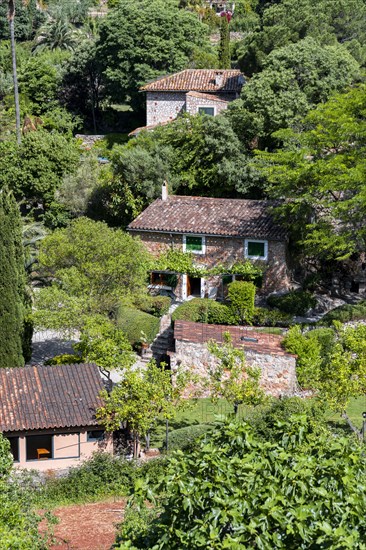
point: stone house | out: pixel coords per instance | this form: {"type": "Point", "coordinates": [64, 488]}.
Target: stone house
{"type": "Point", "coordinates": [194, 91]}
{"type": "Point", "coordinates": [278, 368]}
{"type": "Point", "coordinates": [48, 415]}
{"type": "Point", "coordinates": [218, 232]}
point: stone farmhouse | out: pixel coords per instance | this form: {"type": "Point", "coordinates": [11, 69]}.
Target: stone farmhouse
{"type": "Point", "coordinates": [48, 415]}
{"type": "Point", "coordinates": [278, 368]}
{"type": "Point", "coordinates": [194, 91]}
{"type": "Point", "coordinates": [217, 232]}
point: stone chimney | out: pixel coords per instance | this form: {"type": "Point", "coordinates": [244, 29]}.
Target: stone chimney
{"type": "Point", "coordinates": [164, 191]}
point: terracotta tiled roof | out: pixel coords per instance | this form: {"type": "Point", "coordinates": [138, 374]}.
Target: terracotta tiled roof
{"type": "Point", "coordinates": [242, 337]}
{"type": "Point", "coordinates": [199, 80]}
{"type": "Point", "coordinates": [39, 397]}
{"type": "Point", "coordinates": [210, 216]}
{"type": "Point", "coordinates": [211, 97]}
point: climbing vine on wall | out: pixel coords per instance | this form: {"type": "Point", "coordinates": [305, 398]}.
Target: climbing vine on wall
{"type": "Point", "coordinates": [184, 262]}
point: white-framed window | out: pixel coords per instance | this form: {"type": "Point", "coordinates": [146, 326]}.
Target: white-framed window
{"type": "Point", "coordinates": [256, 250]}
{"type": "Point", "coordinates": [194, 243]}
{"type": "Point", "coordinates": [206, 111]}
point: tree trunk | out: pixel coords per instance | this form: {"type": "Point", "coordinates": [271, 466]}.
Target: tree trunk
{"type": "Point", "coordinates": [11, 15]}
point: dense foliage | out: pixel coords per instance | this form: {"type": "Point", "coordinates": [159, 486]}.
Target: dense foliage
{"type": "Point", "coordinates": [12, 283]}
{"type": "Point", "coordinates": [280, 494]}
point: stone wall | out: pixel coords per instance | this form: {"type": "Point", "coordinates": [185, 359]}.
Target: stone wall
{"type": "Point", "coordinates": [278, 372]}
{"type": "Point", "coordinates": [221, 250]}
{"type": "Point", "coordinates": [193, 104]}
{"type": "Point", "coordinates": [164, 106]}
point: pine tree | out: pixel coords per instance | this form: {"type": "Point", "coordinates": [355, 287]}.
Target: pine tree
{"type": "Point", "coordinates": [12, 283]}
{"type": "Point", "coordinates": [224, 46]}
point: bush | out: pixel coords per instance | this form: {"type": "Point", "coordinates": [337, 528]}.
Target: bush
{"type": "Point", "coordinates": [183, 438]}
{"type": "Point", "coordinates": [241, 295]}
{"type": "Point", "coordinates": [64, 359]}
{"type": "Point", "coordinates": [345, 313]}
{"type": "Point", "coordinates": [204, 310]}
{"type": "Point", "coordinates": [155, 305]}
{"type": "Point", "coordinates": [102, 475]}
{"type": "Point", "coordinates": [136, 324]}
{"type": "Point", "coordinates": [264, 317]}
{"type": "Point", "coordinates": [296, 302]}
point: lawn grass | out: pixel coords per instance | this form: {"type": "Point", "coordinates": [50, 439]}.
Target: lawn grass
{"type": "Point", "coordinates": [203, 411]}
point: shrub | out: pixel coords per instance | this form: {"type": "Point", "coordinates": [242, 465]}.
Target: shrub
{"type": "Point", "coordinates": [296, 302]}
{"type": "Point", "coordinates": [241, 295]}
{"type": "Point", "coordinates": [100, 476]}
{"type": "Point", "coordinates": [345, 313]}
{"type": "Point", "coordinates": [155, 305]}
{"type": "Point", "coordinates": [152, 469]}
{"type": "Point", "coordinates": [135, 323]}
{"type": "Point", "coordinates": [204, 310]}
{"type": "Point", "coordinates": [184, 438]}
{"type": "Point", "coordinates": [264, 317]}
{"type": "Point", "coordinates": [64, 359]}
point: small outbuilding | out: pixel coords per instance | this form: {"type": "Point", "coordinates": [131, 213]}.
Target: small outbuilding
{"type": "Point", "coordinates": [48, 415]}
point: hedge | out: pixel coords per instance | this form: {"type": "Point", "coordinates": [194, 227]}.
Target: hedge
{"type": "Point", "coordinates": [241, 295]}
{"type": "Point", "coordinates": [204, 310]}
{"type": "Point", "coordinates": [155, 305]}
{"type": "Point", "coordinates": [345, 313]}
{"type": "Point", "coordinates": [134, 322]}
{"type": "Point", "coordinates": [296, 302]}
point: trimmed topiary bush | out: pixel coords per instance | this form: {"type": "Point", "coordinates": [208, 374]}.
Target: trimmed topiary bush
{"type": "Point", "coordinates": [64, 359]}
{"type": "Point", "coordinates": [184, 438]}
{"type": "Point", "coordinates": [204, 310]}
{"type": "Point", "coordinates": [155, 305]}
{"type": "Point", "coordinates": [296, 302]}
{"type": "Point", "coordinates": [137, 324]}
{"type": "Point", "coordinates": [241, 295]}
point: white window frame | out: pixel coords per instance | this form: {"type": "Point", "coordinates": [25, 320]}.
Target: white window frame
{"type": "Point", "coordinates": [246, 255]}
{"type": "Point", "coordinates": [206, 107]}
{"type": "Point", "coordinates": [202, 252]}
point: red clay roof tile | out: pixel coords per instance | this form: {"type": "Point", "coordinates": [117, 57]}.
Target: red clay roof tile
{"type": "Point", "coordinates": [199, 80]}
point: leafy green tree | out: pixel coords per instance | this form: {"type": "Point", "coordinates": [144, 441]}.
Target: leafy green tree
{"type": "Point", "coordinates": [140, 399]}
{"type": "Point", "coordinates": [27, 21]}
{"type": "Point", "coordinates": [83, 83]}
{"type": "Point", "coordinates": [289, 21]}
{"type": "Point", "coordinates": [12, 283]}
{"type": "Point", "coordinates": [93, 269]}
{"type": "Point", "coordinates": [34, 168]}
{"type": "Point", "coordinates": [39, 80]}
{"type": "Point", "coordinates": [57, 33]}
{"type": "Point", "coordinates": [197, 155]}
{"type": "Point", "coordinates": [235, 490]}
{"type": "Point", "coordinates": [321, 172]}
{"type": "Point", "coordinates": [230, 377]}
{"type": "Point", "coordinates": [294, 79]}
{"type": "Point", "coordinates": [224, 45]}
{"type": "Point", "coordinates": [101, 342]}
{"type": "Point", "coordinates": [144, 40]}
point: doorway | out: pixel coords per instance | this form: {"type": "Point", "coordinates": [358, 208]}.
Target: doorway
{"type": "Point", "coordinates": [194, 286]}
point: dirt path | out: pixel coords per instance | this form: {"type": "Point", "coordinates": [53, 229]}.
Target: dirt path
{"type": "Point", "coordinates": [88, 526]}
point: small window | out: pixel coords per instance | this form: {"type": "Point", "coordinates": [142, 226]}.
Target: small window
{"type": "Point", "coordinates": [206, 111]}
{"type": "Point", "coordinates": [258, 250]}
{"type": "Point", "coordinates": [39, 447]}
{"type": "Point", "coordinates": [14, 447]}
{"type": "Point", "coordinates": [95, 435]}
{"type": "Point", "coordinates": [195, 244]}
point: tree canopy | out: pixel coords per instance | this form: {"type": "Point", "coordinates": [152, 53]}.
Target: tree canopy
{"type": "Point", "coordinates": [143, 40]}
{"type": "Point", "coordinates": [320, 171]}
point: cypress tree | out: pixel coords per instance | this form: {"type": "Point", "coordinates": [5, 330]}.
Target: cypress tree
{"type": "Point", "coordinates": [12, 283]}
{"type": "Point", "coordinates": [224, 46]}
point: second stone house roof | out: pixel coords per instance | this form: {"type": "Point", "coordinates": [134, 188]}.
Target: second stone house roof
{"type": "Point", "coordinates": [198, 80]}
{"type": "Point", "coordinates": [210, 216]}
{"type": "Point", "coordinates": [47, 397]}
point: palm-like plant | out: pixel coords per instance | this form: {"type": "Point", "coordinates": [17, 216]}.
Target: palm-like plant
{"type": "Point", "coordinates": [57, 34]}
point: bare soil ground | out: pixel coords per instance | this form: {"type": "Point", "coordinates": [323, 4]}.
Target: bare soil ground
{"type": "Point", "coordinates": [88, 526]}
